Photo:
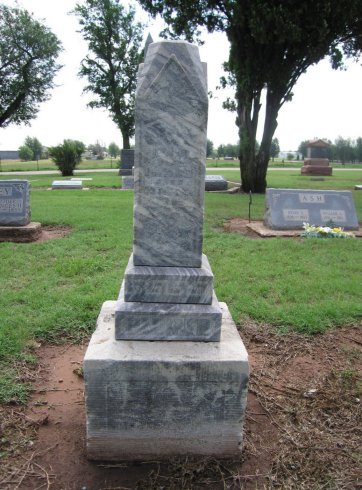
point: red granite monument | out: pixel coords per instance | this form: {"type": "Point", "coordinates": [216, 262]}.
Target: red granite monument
{"type": "Point", "coordinates": [316, 162]}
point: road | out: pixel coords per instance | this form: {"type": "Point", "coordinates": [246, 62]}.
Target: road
{"type": "Point", "coordinates": [115, 170]}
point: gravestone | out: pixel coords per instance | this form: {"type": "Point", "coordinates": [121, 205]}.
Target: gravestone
{"type": "Point", "coordinates": [288, 209]}
{"type": "Point", "coordinates": [316, 162]}
{"type": "Point", "coordinates": [127, 162]}
{"type": "Point", "coordinates": [15, 225]}
{"type": "Point", "coordinates": [215, 183]}
{"type": "Point", "coordinates": [67, 184]}
{"type": "Point", "coordinates": [166, 372]}
{"type": "Point", "coordinates": [14, 202]}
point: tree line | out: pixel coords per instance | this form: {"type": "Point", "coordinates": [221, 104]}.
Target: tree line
{"type": "Point", "coordinates": [272, 43]}
{"type": "Point", "coordinates": [344, 150]}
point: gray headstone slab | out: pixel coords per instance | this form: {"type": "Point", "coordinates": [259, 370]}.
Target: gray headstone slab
{"type": "Point", "coordinates": [170, 153]}
{"type": "Point", "coordinates": [67, 184]}
{"type": "Point", "coordinates": [14, 202]}
{"type": "Point", "coordinates": [215, 183]}
{"type": "Point", "coordinates": [289, 208]}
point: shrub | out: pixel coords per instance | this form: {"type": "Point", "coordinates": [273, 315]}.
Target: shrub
{"type": "Point", "coordinates": [67, 155]}
{"type": "Point", "coordinates": [25, 153]}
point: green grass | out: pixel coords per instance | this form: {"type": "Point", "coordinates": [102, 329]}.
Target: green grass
{"type": "Point", "coordinates": [53, 290]}
{"type": "Point", "coordinates": [18, 166]}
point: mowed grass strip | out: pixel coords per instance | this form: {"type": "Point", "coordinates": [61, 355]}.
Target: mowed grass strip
{"type": "Point", "coordinates": [53, 290]}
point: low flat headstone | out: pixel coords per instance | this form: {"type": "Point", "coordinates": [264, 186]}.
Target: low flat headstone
{"type": "Point", "coordinates": [14, 202]}
{"type": "Point", "coordinates": [67, 184]}
{"type": "Point", "coordinates": [289, 208]}
{"type": "Point", "coordinates": [128, 182]}
{"type": "Point", "coordinates": [358, 187]}
{"type": "Point", "coordinates": [215, 183]}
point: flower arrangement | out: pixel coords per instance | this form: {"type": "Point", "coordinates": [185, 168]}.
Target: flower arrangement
{"type": "Point", "coordinates": [311, 231]}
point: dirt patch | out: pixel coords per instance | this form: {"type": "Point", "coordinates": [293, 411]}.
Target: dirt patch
{"type": "Point", "coordinates": [49, 232]}
{"type": "Point", "coordinates": [302, 430]}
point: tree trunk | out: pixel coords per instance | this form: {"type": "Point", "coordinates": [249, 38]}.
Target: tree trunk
{"type": "Point", "coordinates": [126, 142]}
{"type": "Point", "coordinates": [253, 168]}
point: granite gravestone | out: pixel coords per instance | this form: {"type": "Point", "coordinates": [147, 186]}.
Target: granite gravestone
{"type": "Point", "coordinates": [127, 162]}
{"type": "Point", "coordinates": [187, 395]}
{"type": "Point", "coordinates": [317, 162]}
{"type": "Point", "coordinates": [14, 202]}
{"type": "Point", "coordinates": [67, 184]}
{"type": "Point", "coordinates": [215, 183]}
{"type": "Point", "coordinates": [288, 209]}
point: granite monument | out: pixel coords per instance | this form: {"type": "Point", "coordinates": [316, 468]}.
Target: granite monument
{"type": "Point", "coordinates": [166, 372]}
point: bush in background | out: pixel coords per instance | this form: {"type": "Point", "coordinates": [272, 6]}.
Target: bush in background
{"type": "Point", "coordinates": [67, 155]}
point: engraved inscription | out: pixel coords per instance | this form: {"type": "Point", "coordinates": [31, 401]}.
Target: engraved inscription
{"type": "Point", "coordinates": [6, 191]}
{"type": "Point", "coordinates": [296, 214]}
{"type": "Point", "coordinates": [337, 215]}
{"type": "Point", "coordinates": [11, 205]}
{"type": "Point", "coordinates": [311, 198]}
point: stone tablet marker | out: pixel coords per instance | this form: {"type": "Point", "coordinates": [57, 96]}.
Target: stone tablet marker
{"type": "Point", "coordinates": [215, 183]}
{"type": "Point", "coordinates": [14, 202]}
{"type": "Point", "coordinates": [288, 209]}
{"type": "Point", "coordinates": [185, 391]}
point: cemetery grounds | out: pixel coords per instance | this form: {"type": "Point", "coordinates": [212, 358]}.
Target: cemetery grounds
{"type": "Point", "coordinates": [296, 302]}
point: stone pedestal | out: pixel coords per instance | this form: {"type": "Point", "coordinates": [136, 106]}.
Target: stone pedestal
{"type": "Point", "coordinates": [20, 234]}
{"type": "Point", "coordinates": [316, 166]}
{"type": "Point", "coordinates": [147, 400]}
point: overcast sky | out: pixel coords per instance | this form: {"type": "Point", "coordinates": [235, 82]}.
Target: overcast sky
{"type": "Point", "coordinates": [326, 103]}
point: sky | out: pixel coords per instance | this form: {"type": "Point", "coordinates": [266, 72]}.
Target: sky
{"type": "Point", "coordinates": [326, 103]}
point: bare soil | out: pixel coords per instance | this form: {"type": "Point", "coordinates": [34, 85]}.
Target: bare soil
{"type": "Point", "coordinates": [303, 423]}
{"type": "Point", "coordinates": [49, 232]}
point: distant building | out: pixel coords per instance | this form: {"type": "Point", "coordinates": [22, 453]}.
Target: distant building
{"type": "Point", "coordinates": [9, 155]}
{"type": "Point", "coordinates": [295, 153]}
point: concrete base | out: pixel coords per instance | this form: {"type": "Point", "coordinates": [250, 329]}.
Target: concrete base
{"type": "Point", "coordinates": [167, 321]}
{"type": "Point", "coordinates": [169, 284]}
{"type": "Point", "coordinates": [22, 234]}
{"type": "Point", "coordinates": [147, 400]}
{"type": "Point", "coordinates": [315, 170]}
{"type": "Point", "coordinates": [128, 182]}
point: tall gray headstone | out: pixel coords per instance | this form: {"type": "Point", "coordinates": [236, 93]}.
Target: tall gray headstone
{"type": "Point", "coordinates": [14, 202]}
{"type": "Point", "coordinates": [170, 153]}
{"type": "Point", "coordinates": [187, 395]}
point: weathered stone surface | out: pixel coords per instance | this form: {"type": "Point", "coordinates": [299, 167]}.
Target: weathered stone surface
{"type": "Point", "coordinates": [316, 170]}
{"type": "Point", "coordinates": [170, 153]}
{"type": "Point", "coordinates": [290, 208]}
{"type": "Point", "coordinates": [169, 284]}
{"type": "Point", "coordinates": [67, 184]}
{"type": "Point", "coordinates": [20, 234]}
{"type": "Point", "coordinates": [167, 321]}
{"type": "Point", "coordinates": [159, 399]}
{"type": "Point", "coordinates": [215, 183]}
{"type": "Point", "coordinates": [128, 182]}
{"type": "Point", "coordinates": [127, 162]}
{"type": "Point", "coordinates": [14, 202]}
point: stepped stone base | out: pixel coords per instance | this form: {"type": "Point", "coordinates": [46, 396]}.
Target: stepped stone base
{"type": "Point", "coordinates": [167, 321]}
{"type": "Point", "coordinates": [316, 170]}
{"type": "Point", "coordinates": [147, 400]}
{"type": "Point", "coordinates": [169, 284]}
{"type": "Point", "coordinates": [21, 234]}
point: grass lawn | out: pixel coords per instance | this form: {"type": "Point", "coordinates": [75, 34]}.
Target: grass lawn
{"type": "Point", "coordinates": [53, 290]}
